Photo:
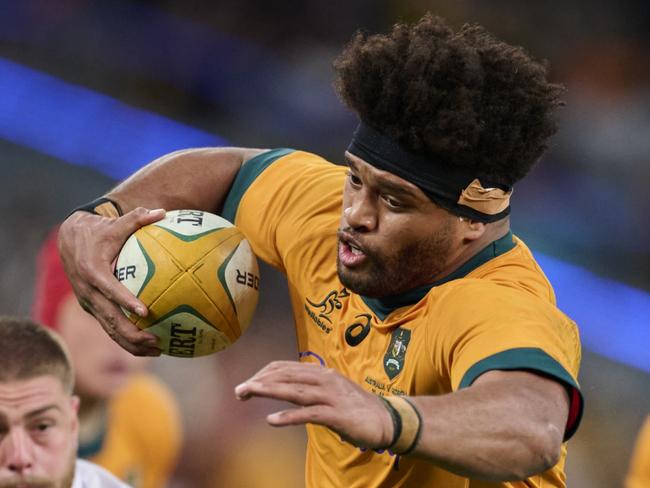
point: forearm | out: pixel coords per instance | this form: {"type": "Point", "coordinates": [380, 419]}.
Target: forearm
{"type": "Point", "coordinates": [191, 178]}
{"type": "Point", "coordinates": [508, 425]}
{"type": "Point", "coordinates": [494, 430]}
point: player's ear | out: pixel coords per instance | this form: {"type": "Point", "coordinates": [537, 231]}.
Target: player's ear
{"type": "Point", "coordinates": [75, 402]}
{"type": "Point", "coordinates": [471, 229]}
{"type": "Point", "coordinates": [74, 405]}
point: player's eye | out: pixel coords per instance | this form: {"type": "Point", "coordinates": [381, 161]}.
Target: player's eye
{"type": "Point", "coordinates": [355, 181]}
{"type": "Point", "coordinates": [392, 202]}
{"type": "Point", "coordinates": [42, 426]}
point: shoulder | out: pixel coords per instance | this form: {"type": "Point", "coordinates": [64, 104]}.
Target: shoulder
{"type": "Point", "coordinates": [294, 161]}
{"type": "Point", "coordinates": [474, 293]}
{"type": "Point", "coordinates": [284, 154]}
{"type": "Point", "coordinates": [283, 175]}
{"type": "Point", "coordinates": [518, 269]}
{"type": "Point", "coordinates": [469, 300]}
{"type": "Point", "coordinates": [482, 302]}
{"type": "Point", "coordinates": [89, 475]}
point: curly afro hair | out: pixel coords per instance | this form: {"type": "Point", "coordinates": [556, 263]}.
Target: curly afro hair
{"type": "Point", "coordinates": [462, 98]}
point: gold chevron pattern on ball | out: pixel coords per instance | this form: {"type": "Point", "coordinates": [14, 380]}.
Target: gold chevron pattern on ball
{"type": "Point", "coordinates": [200, 285]}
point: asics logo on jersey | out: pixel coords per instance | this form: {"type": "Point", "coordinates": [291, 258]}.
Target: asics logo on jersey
{"type": "Point", "coordinates": [358, 331]}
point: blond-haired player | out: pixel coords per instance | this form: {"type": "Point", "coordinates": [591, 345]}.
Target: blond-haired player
{"type": "Point", "coordinates": [38, 413]}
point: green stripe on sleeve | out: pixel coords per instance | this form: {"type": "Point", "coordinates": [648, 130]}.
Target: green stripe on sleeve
{"type": "Point", "coordinates": [245, 177]}
{"type": "Point", "coordinates": [535, 360]}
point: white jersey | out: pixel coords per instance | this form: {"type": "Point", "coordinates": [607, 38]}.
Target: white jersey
{"type": "Point", "coordinates": [89, 475]}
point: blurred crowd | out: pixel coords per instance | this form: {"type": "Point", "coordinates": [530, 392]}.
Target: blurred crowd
{"type": "Point", "coordinates": [259, 74]}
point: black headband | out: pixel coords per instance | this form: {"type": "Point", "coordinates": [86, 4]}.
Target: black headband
{"type": "Point", "coordinates": [442, 185]}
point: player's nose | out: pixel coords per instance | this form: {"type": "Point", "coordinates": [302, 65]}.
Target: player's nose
{"type": "Point", "coordinates": [18, 451]}
{"type": "Point", "coordinates": [360, 213]}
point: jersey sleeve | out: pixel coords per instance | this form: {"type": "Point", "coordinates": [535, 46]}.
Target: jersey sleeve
{"type": "Point", "coordinates": [284, 201]}
{"type": "Point", "coordinates": [499, 328]}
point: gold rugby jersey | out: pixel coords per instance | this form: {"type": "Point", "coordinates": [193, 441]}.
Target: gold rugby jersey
{"type": "Point", "coordinates": [142, 439]}
{"type": "Point", "coordinates": [497, 311]}
{"type": "Point", "coordinates": [638, 475]}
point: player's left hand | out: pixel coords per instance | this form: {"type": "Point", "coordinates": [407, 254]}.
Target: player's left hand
{"type": "Point", "coordinates": [324, 397]}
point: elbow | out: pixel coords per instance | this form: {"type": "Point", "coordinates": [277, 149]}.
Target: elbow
{"type": "Point", "coordinates": [531, 452]}
{"type": "Point", "coordinates": [544, 450]}
{"type": "Point", "coordinates": [550, 446]}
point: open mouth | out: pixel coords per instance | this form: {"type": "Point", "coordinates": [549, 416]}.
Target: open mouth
{"type": "Point", "coordinates": [354, 249]}
{"type": "Point", "coordinates": [350, 252]}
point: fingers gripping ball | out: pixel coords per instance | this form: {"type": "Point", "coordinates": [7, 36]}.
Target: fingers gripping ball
{"type": "Point", "coordinates": [199, 278]}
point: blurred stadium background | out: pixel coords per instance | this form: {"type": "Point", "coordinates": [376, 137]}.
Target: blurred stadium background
{"type": "Point", "coordinates": [91, 90]}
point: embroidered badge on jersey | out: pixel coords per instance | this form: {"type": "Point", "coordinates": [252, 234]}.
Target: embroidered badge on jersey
{"type": "Point", "coordinates": [396, 353]}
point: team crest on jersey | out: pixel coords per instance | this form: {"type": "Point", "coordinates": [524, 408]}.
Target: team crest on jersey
{"type": "Point", "coordinates": [394, 357]}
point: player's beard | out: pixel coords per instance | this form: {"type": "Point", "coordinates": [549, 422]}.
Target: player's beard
{"type": "Point", "coordinates": [41, 481]}
{"type": "Point", "coordinates": [69, 476]}
{"type": "Point", "coordinates": [391, 273]}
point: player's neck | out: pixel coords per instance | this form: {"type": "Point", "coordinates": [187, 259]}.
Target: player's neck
{"type": "Point", "coordinates": [469, 249]}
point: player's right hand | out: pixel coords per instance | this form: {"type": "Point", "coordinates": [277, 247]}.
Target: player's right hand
{"type": "Point", "coordinates": [89, 245]}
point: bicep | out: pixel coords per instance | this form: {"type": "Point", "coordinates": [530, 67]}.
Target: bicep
{"type": "Point", "coordinates": [197, 178]}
